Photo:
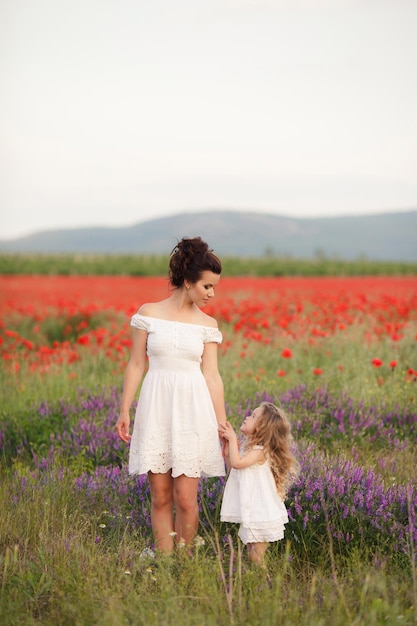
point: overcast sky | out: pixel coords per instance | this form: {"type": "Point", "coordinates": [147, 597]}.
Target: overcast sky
{"type": "Point", "coordinates": [117, 111]}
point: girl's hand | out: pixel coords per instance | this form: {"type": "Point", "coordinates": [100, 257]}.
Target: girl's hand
{"type": "Point", "coordinates": [122, 427]}
{"type": "Point", "coordinates": [226, 431]}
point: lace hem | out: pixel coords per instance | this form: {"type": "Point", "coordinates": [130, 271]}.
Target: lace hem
{"type": "Point", "coordinates": [256, 535]}
{"type": "Point", "coordinates": [187, 462]}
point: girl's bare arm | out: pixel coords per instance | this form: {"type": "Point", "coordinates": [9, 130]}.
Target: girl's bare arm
{"type": "Point", "coordinates": [235, 459]}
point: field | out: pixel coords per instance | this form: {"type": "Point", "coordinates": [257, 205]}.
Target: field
{"type": "Point", "coordinates": [338, 353]}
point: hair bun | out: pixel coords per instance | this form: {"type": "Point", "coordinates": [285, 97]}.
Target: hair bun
{"type": "Point", "coordinates": [189, 259]}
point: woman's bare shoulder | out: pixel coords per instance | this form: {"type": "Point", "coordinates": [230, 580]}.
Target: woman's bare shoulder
{"type": "Point", "coordinates": [150, 309]}
{"type": "Point", "coordinates": [207, 320]}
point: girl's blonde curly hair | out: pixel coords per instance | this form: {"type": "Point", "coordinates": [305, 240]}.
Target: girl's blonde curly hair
{"type": "Point", "coordinates": [273, 432]}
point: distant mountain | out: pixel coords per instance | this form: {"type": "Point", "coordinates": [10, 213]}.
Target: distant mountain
{"type": "Point", "coordinates": [388, 236]}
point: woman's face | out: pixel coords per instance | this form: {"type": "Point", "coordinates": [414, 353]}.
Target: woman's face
{"type": "Point", "coordinates": [249, 423]}
{"type": "Point", "coordinates": [202, 291]}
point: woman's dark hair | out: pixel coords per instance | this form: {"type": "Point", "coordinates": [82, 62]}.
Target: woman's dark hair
{"type": "Point", "coordinates": [189, 259]}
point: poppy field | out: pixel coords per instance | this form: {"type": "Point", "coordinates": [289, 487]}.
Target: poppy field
{"type": "Point", "coordinates": [338, 353]}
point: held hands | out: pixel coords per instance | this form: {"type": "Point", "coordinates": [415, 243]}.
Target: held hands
{"type": "Point", "coordinates": [226, 431]}
{"type": "Point", "coordinates": [122, 427]}
{"type": "Point", "coordinates": [229, 438]}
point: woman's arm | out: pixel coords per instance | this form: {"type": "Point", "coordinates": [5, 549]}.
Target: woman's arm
{"type": "Point", "coordinates": [214, 381]}
{"type": "Point", "coordinates": [133, 375]}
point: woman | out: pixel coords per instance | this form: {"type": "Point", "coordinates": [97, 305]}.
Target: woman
{"type": "Point", "coordinates": [175, 436]}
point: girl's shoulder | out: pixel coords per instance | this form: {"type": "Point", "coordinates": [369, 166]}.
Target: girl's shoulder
{"type": "Point", "coordinates": [255, 454]}
{"type": "Point", "coordinates": [245, 444]}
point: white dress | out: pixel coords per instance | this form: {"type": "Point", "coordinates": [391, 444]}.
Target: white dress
{"type": "Point", "coordinates": [175, 425]}
{"type": "Point", "coordinates": [250, 498]}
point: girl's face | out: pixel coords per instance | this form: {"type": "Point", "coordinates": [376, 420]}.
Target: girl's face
{"type": "Point", "coordinates": [202, 291]}
{"type": "Point", "coordinates": [249, 423]}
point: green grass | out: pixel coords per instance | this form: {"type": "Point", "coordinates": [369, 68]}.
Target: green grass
{"type": "Point", "coordinates": [62, 563]}
{"type": "Point", "coordinates": [344, 358]}
{"type": "Point", "coordinates": [156, 265]}
{"type": "Point", "coordinates": [53, 572]}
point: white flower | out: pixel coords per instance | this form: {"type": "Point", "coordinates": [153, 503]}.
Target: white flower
{"type": "Point", "coordinates": [199, 541]}
{"type": "Point", "coordinates": [147, 553]}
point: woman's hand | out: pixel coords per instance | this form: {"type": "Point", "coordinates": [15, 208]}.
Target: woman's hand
{"type": "Point", "coordinates": [122, 427]}
{"type": "Point", "coordinates": [225, 448]}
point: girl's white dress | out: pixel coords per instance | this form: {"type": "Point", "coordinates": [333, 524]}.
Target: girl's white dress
{"type": "Point", "coordinates": [250, 498]}
{"type": "Point", "coordinates": [175, 425]}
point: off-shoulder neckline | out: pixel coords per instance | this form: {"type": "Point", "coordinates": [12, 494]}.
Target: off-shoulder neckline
{"type": "Point", "coordinates": [161, 319]}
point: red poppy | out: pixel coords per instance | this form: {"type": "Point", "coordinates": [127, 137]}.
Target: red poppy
{"type": "Point", "coordinates": [393, 364]}
{"type": "Point", "coordinates": [83, 340]}
{"type": "Point", "coordinates": [317, 371]}
{"type": "Point", "coordinates": [11, 333]}
{"type": "Point", "coordinates": [61, 307]}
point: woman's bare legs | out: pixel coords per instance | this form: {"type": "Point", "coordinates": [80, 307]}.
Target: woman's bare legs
{"type": "Point", "coordinates": [162, 510]}
{"type": "Point", "coordinates": [186, 508]}
{"type": "Point", "coordinates": [167, 493]}
{"type": "Point", "coordinates": [256, 552]}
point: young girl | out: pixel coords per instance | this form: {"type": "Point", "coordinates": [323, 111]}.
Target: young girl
{"type": "Point", "coordinates": [260, 475]}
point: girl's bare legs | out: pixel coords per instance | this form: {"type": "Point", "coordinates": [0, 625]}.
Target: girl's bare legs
{"type": "Point", "coordinates": [186, 508]}
{"type": "Point", "coordinates": [162, 510]}
{"type": "Point", "coordinates": [256, 552]}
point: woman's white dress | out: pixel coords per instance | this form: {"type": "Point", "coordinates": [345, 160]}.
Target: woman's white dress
{"type": "Point", "coordinates": [175, 425]}
{"type": "Point", "coordinates": [250, 498]}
